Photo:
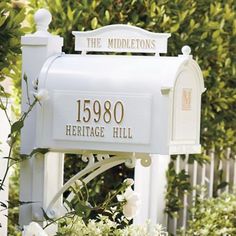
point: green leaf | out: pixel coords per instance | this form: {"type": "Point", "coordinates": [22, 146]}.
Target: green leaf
{"type": "Point", "coordinates": [174, 28]}
{"type": "Point", "coordinates": [2, 204]}
{"type": "Point", "coordinates": [17, 126]}
{"type": "Point", "coordinates": [2, 88]}
{"type": "Point", "coordinates": [45, 215]}
{"type": "Point", "coordinates": [215, 34]}
{"type": "Point", "coordinates": [2, 20]}
{"type": "Point", "coordinates": [11, 158]}
{"type": "Point", "coordinates": [204, 35]}
{"type": "Point", "coordinates": [82, 209]}
{"type": "Point", "coordinates": [70, 13]}
{"type": "Point", "coordinates": [25, 77]}
{"type": "Point", "coordinates": [23, 156]}
{"type": "Point", "coordinates": [20, 17]}
{"type": "Point", "coordinates": [94, 23]}
{"type": "Point", "coordinates": [39, 150]}
{"type": "Point", "coordinates": [2, 106]}
{"type": "Point", "coordinates": [222, 185]}
{"type": "Point", "coordinates": [107, 15]}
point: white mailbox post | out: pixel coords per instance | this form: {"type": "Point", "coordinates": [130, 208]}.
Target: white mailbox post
{"type": "Point", "coordinates": [129, 106]}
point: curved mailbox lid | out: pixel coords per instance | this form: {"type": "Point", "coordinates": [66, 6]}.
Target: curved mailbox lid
{"type": "Point", "coordinates": [136, 81]}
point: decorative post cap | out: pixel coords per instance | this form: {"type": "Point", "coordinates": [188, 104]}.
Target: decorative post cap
{"type": "Point", "coordinates": [42, 19]}
{"type": "Point", "coordinates": [186, 50]}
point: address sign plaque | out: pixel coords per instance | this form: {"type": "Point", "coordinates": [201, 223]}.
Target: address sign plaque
{"type": "Point", "coordinates": [121, 38]}
{"type": "Point", "coordinates": [103, 117]}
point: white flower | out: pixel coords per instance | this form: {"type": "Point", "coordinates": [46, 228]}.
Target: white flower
{"type": "Point", "coordinates": [9, 141]}
{"type": "Point", "coordinates": [33, 229]}
{"type": "Point", "coordinates": [132, 203]}
{"type": "Point", "coordinates": [42, 95]}
{"type": "Point", "coordinates": [129, 181]}
{"type": "Point", "coordinates": [35, 84]}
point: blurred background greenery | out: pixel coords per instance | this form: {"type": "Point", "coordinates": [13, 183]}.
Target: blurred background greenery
{"type": "Point", "coordinates": [207, 26]}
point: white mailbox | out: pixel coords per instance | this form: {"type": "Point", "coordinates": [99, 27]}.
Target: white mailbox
{"type": "Point", "coordinates": [115, 103]}
{"type": "Point", "coordinates": [132, 106]}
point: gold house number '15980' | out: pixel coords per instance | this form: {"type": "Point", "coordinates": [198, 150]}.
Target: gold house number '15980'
{"type": "Point", "coordinates": [97, 110]}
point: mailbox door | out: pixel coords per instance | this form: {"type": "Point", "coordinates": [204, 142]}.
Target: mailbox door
{"type": "Point", "coordinates": [186, 108]}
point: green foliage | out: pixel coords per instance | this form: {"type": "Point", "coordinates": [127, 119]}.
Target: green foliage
{"type": "Point", "coordinates": [85, 206]}
{"type": "Point", "coordinates": [13, 208]}
{"type": "Point", "coordinates": [178, 184]}
{"type": "Point", "coordinates": [105, 226]}
{"type": "Point", "coordinates": [103, 184]}
{"type": "Point", "coordinates": [11, 18]}
{"type": "Point", "coordinates": [214, 216]}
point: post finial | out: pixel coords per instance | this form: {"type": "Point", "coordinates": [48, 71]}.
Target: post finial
{"type": "Point", "coordinates": [42, 19]}
{"type": "Point", "coordinates": [186, 50]}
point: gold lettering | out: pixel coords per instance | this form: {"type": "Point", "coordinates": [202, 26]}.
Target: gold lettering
{"type": "Point", "coordinates": [186, 99]}
{"type": "Point", "coordinates": [68, 130]}
{"type": "Point", "coordinates": [83, 131]}
{"type": "Point", "coordinates": [91, 132]}
{"type": "Point", "coordinates": [93, 42]}
{"type": "Point", "coordinates": [142, 44]}
{"type": "Point", "coordinates": [124, 133]}
{"type": "Point", "coordinates": [99, 43]}
{"type": "Point", "coordinates": [153, 44]}
{"type": "Point", "coordinates": [120, 133]}
{"type": "Point", "coordinates": [148, 43]}
{"type": "Point", "coordinates": [137, 43]}
{"type": "Point", "coordinates": [110, 43]}
{"type": "Point", "coordinates": [124, 43]}
{"type": "Point", "coordinates": [97, 133]}
{"type": "Point", "coordinates": [102, 132]}
{"type": "Point", "coordinates": [115, 132]}
{"type": "Point", "coordinates": [79, 131]}
{"type": "Point", "coordinates": [119, 43]}
{"type": "Point", "coordinates": [115, 43]}
{"type": "Point", "coordinates": [87, 130]}
{"type": "Point", "coordinates": [129, 133]}
{"type": "Point", "coordinates": [74, 130]}
{"type": "Point", "coordinates": [133, 43]}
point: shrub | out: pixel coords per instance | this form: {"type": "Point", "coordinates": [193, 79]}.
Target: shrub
{"type": "Point", "coordinates": [11, 18]}
{"type": "Point", "coordinates": [107, 227]}
{"type": "Point", "coordinates": [214, 216]}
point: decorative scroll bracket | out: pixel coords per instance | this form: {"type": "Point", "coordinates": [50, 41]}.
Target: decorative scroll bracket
{"type": "Point", "coordinates": [96, 166]}
{"type": "Point", "coordinates": [120, 38]}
